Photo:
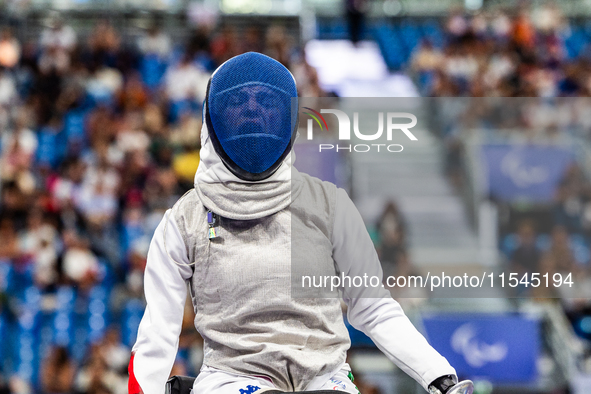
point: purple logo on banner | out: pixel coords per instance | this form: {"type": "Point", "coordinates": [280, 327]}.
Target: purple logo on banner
{"type": "Point", "coordinates": [531, 172]}
{"type": "Point", "coordinates": [502, 348]}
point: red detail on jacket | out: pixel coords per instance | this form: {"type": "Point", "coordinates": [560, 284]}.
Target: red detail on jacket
{"type": "Point", "coordinates": [133, 387]}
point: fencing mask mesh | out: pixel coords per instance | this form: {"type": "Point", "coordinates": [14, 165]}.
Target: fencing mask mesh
{"type": "Point", "coordinates": [248, 114]}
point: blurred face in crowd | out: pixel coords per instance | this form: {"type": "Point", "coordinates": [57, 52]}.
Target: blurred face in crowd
{"type": "Point", "coordinates": [76, 171]}
{"type": "Point", "coordinates": [527, 234]}
{"type": "Point", "coordinates": [560, 237]}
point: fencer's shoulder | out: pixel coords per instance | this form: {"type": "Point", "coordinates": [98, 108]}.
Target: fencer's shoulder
{"type": "Point", "coordinates": [187, 206]}
{"type": "Point", "coordinates": [317, 195]}
{"type": "Point", "coordinates": [313, 182]}
{"type": "Point", "coordinates": [190, 217]}
{"type": "Point", "coordinates": [335, 199]}
{"type": "Point", "coordinates": [316, 191]}
{"type": "Point", "coordinates": [190, 197]}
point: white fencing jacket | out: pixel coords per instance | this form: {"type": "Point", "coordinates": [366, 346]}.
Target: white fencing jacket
{"type": "Point", "coordinates": [242, 284]}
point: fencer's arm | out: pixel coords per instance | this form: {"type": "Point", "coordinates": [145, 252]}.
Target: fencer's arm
{"type": "Point", "coordinates": [372, 310]}
{"type": "Point", "coordinates": [165, 287]}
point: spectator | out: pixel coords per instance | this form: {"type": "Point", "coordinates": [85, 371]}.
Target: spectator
{"type": "Point", "coordinates": [355, 14]}
{"type": "Point", "coordinates": [526, 258]}
{"type": "Point", "coordinates": [40, 243]}
{"type": "Point", "coordinates": [57, 44]}
{"type": "Point", "coordinates": [187, 132]}
{"type": "Point", "coordinates": [426, 58]}
{"type": "Point", "coordinates": [19, 147]}
{"type": "Point", "coordinates": [457, 25]}
{"type": "Point", "coordinates": [523, 34]}
{"type": "Point", "coordinates": [9, 246]}
{"type": "Point", "coordinates": [392, 242]}
{"type": "Point", "coordinates": [559, 258]}
{"type": "Point", "coordinates": [155, 42]}
{"type": "Point", "coordinates": [16, 160]}
{"type": "Point", "coordinates": [137, 264]}
{"type": "Point", "coordinates": [96, 376]}
{"type": "Point", "coordinates": [568, 208]}
{"type": "Point", "coordinates": [104, 83]}
{"type": "Point", "coordinates": [501, 27]}
{"type": "Point", "coordinates": [278, 44]}
{"type": "Point", "coordinates": [185, 81]}
{"type": "Point", "coordinates": [307, 77]}
{"type": "Point", "coordinates": [80, 266]}
{"type": "Point", "coordinates": [15, 205]}
{"type": "Point", "coordinates": [131, 137]}
{"type": "Point", "coordinates": [133, 96]}
{"type": "Point", "coordinates": [67, 188]}
{"type": "Point", "coordinates": [115, 353]}
{"type": "Point", "coordinates": [57, 372]}
{"type": "Point", "coordinates": [103, 45]}
{"type": "Point", "coordinates": [10, 49]}
{"type": "Point", "coordinates": [98, 205]}
{"type": "Point", "coordinates": [57, 35]}
{"type": "Point", "coordinates": [548, 19]}
{"type": "Point", "coordinates": [224, 45]}
{"type": "Point", "coordinates": [8, 93]}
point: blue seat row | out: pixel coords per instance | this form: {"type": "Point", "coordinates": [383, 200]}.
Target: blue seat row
{"type": "Point", "coordinates": [77, 321]}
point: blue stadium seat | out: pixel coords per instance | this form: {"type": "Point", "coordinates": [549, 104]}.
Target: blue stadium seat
{"type": "Point", "coordinates": [576, 42]}
{"type": "Point", "coordinates": [410, 35]}
{"type": "Point", "coordinates": [98, 313]}
{"type": "Point", "coordinates": [509, 244]}
{"type": "Point", "coordinates": [358, 339]}
{"type": "Point", "coordinates": [5, 274]}
{"type": "Point", "coordinates": [132, 315]}
{"type": "Point", "coordinates": [20, 279]}
{"type": "Point", "coordinates": [580, 249]}
{"type": "Point", "coordinates": [130, 234]}
{"type": "Point", "coordinates": [63, 322]}
{"type": "Point", "coordinates": [152, 69]}
{"type": "Point", "coordinates": [432, 31]}
{"type": "Point", "coordinates": [179, 107]}
{"type": "Point", "coordinates": [75, 131]}
{"type": "Point", "coordinates": [26, 362]}
{"type": "Point", "coordinates": [391, 46]}
{"type": "Point", "coordinates": [3, 343]}
{"type": "Point", "coordinates": [543, 242]}
{"type": "Point", "coordinates": [107, 274]}
{"type": "Point", "coordinates": [51, 147]}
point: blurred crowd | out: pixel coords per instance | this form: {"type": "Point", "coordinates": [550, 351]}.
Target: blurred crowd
{"type": "Point", "coordinates": [530, 68]}
{"type": "Point", "coordinates": [99, 135]}
{"type": "Point", "coordinates": [552, 235]}
{"type": "Point", "coordinates": [553, 239]}
{"type": "Point", "coordinates": [523, 52]}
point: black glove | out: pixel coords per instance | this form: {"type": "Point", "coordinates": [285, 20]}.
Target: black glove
{"type": "Point", "coordinates": [442, 384]}
{"type": "Point", "coordinates": [179, 385]}
{"type": "Point", "coordinates": [448, 384]}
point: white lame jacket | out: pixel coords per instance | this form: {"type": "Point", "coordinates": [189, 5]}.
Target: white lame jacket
{"type": "Point", "coordinates": [168, 270]}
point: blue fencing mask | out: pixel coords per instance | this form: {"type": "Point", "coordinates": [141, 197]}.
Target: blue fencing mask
{"type": "Point", "coordinates": [248, 114]}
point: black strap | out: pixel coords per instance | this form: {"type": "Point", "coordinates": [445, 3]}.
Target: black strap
{"type": "Point", "coordinates": [305, 392]}
{"type": "Point", "coordinates": [184, 384]}
{"type": "Point", "coordinates": [179, 385]}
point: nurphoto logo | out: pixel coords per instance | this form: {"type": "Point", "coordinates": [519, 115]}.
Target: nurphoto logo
{"type": "Point", "coordinates": [344, 130]}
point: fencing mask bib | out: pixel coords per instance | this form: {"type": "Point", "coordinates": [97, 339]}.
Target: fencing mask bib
{"type": "Point", "coordinates": [248, 114]}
